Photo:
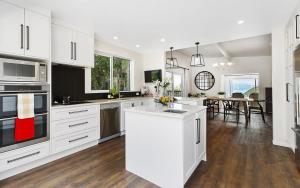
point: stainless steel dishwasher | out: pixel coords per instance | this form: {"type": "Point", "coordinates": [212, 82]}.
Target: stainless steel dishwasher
{"type": "Point", "coordinates": [109, 121]}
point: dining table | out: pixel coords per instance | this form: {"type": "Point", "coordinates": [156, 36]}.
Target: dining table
{"type": "Point", "coordinates": [244, 102]}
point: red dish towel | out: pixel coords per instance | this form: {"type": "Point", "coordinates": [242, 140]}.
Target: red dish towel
{"type": "Point", "coordinates": [24, 129]}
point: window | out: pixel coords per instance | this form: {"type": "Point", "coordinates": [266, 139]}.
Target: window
{"type": "Point", "coordinates": [176, 80]}
{"type": "Point", "coordinates": [121, 73]}
{"type": "Point", "coordinates": [245, 84]}
{"type": "Point", "coordinates": [108, 72]}
{"type": "Point", "coordinates": [101, 73]}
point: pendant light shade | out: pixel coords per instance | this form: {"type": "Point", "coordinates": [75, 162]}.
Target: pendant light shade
{"type": "Point", "coordinates": [171, 61]}
{"type": "Point", "coordinates": [197, 59]}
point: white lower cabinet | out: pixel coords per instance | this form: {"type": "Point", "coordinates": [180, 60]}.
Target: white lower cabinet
{"type": "Point", "coordinates": [194, 135]}
{"type": "Point", "coordinates": [22, 156]}
{"type": "Point", "coordinates": [69, 141]}
{"type": "Point", "coordinates": [130, 104]}
{"type": "Point", "coordinates": [74, 126]}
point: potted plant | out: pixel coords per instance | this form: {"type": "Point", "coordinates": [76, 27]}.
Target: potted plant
{"type": "Point", "coordinates": [114, 92]}
{"type": "Point", "coordinates": [221, 94]}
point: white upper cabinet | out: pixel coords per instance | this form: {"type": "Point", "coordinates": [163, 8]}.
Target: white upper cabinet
{"type": "Point", "coordinates": [24, 32]}
{"type": "Point", "coordinates": [12, 29]}
{"type": "Point", "coordinates": [37, 37]}
{"type": "Point", "coordinates": [84, 49]}
{"type": "Point", "coordinates": [72, 47]}
{"type": "Point", "coordinates": [62, 51]}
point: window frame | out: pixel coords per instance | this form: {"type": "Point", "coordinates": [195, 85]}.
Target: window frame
{"type": "Point", "coordinates": [227, 83]}
{"type": "Point", "coordinates": [88, 73]}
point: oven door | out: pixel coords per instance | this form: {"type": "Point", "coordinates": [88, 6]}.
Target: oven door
{"type": "Point", "coordinates": [19, 71]}
{"type": "Point", "coordinates": [8, 137]}
{"type": "Point", "coordinates": [8, 104]}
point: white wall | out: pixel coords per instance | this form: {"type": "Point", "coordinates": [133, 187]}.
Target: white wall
{"type": "Point", "coordinates": [242, 65]}
{"type": "Point", "coordinates": [137, 58]}
{"type": "Point", "coordinates": [152, 61]}
{"type": "Point", "coordinates": [280, 126]}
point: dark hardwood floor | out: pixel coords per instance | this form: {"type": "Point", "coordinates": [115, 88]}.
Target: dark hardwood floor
{"type": "Point", "coordinates": [237, 157]}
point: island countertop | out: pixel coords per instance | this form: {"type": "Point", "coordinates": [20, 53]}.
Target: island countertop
{"type": "Point", "coordinates": [159, 110]}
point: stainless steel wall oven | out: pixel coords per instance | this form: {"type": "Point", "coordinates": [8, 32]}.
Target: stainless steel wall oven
{"type": "Point", "coordinates": [8, 113]}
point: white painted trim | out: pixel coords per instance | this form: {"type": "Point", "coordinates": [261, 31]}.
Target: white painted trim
{"type": "Point", "coordinates": [50, 158]}
{"type": "Point", "coordinates": [281, 143]}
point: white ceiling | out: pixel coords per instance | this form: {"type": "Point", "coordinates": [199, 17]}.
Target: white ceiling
{"type": "Point", "coordinates": [253, 46]}
{"type": "Point", "coordinates": [180, 22]}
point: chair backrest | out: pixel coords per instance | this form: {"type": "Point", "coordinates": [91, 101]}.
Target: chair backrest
{"type": "Point", "coordinates": [238, 95]}
{"type": "Point", "coordinates": [255, 97]}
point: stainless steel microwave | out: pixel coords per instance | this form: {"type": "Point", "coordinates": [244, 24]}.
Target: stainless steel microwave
{"type": "Point", "coordinates": [22, 71]}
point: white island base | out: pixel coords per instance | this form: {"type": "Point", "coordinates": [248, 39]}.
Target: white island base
{"type": "Point", "coordinates": [165, 148]}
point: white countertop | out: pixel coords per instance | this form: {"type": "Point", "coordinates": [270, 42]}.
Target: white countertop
{"type": "Point", "coordinates": [158, 109]}
{"type": "Point", "coordinates": [104, 101]}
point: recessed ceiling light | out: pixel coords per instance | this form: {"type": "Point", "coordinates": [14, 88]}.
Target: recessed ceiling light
{"type": "Point", "coordinates": [115, 38]}
{"type": "Point", "coordinates": [241, 22]}
{"type": "Point", "coordinates": [222, 64]}
{"type": "Point", "coordinates": [229, 63]}
{"type": "Point", "coordinates": [162, 40]}
{"type": "Point", "coordinates": [138, 46]}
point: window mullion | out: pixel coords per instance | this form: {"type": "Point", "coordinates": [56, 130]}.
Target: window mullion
{"type": "Point", "coordinates": [111, 72]}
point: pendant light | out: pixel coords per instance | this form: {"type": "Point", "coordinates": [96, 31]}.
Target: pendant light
{"type": "Point", "coordinates": [197, 59]}
{"type": "Point", "coordinates": [171, 61]}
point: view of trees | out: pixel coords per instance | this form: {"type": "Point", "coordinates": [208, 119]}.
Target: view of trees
{"type": "Point", "coordinates": [121, 73]}
{"type": "Point", "coordinates": [100, 74]}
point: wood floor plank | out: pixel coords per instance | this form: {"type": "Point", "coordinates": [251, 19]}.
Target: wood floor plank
{"type": "Point", "coordinates": [237, 157]}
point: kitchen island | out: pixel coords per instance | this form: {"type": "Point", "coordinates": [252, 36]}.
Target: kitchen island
{"type": "Point", "coordinates": [165, 145]}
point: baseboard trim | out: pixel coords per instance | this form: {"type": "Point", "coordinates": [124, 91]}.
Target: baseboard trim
{"type": "Point", "coordinates": [283, 144]}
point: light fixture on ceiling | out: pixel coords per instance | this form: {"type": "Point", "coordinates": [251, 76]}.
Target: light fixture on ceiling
{"type": "Point", "coordinates": [138, 46]}
{"type": "Point", "coordinates": [240, 22]}
{"type": "Point", "coordinates": [171, 61]}
{"type": "Point", "coordinates": [162, 40]}
{"type": "Point", "coordinates": [197, 59]}
{"type": "Point", "coordinates": [115, 38]}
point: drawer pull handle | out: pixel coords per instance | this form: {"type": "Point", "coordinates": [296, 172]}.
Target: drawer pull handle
{"type": "Point", "coordinates": [70, 141]}
{"type": "Point", "coordinates": [77, 124]}
{"type": "Point", "coordinates": [80, 111]}
{"type": "Point", "coordinates": [23, 157]}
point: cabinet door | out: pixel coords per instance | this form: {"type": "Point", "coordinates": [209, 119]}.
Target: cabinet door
{"type": "Point", "coordinates": [83, 50]}
{"type": "Point", "coordinates": [37, 35]}
{"type": "Point", "coordinates": [189, 146]}
{"type": "Point", "coordinates": [11, 33]}
{"type": "Point", "coordinates": [61, 46]}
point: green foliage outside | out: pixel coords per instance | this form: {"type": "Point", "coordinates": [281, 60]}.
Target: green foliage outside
{"type": "Point", "coordinates": [121, 74]}
{"type": "Point", "coordinates": [101, 73]}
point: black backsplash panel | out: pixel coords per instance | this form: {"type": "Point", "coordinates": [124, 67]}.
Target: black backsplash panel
{"type": "Point", "coordinates": [69, 81]}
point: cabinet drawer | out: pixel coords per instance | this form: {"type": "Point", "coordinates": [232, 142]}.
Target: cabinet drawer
{"type": "Point", "coordinates": [64, 127]}
{"type": "Point", "coordinates": [73, 140]}
{"type": "Point", "coordinates": [74, 112]}
{"type": "Point", "coordinates": [23, 156]}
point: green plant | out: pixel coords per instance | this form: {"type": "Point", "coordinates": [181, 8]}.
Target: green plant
{"type": "Point", "coordinates": [221, 93]}
{"type": "Point", "coordinates": [114, 91]}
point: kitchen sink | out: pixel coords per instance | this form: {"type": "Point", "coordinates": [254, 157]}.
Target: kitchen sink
{"type": "Point", "coordinates": [175, 111]}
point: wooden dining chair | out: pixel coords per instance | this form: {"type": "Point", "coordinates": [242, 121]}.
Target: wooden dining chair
{"type": "Point", "coordinates": [255, 106]}
{"type": "Point", "coordinates": [233, 106]}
